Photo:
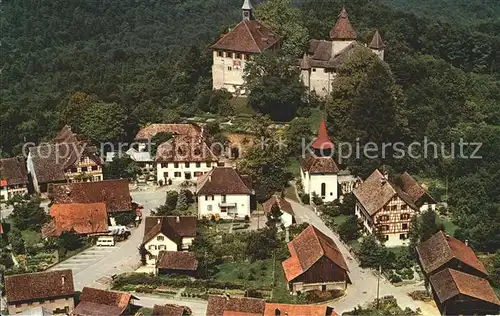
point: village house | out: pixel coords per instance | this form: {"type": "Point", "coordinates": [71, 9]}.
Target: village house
{"type": "Point", "coordinates": [316, 263]}
{"type": "Point", "coordinates": [177, 262]}
{"type": "Point", "coordinates": [171, 310]}
{"type": "Point", "coordinates": [168, 233]}
{"type": "Point", "coordinates": [385, 206]}
{"type": "Point", "coordinates": [233, 49]}
{"type": "Point", "coordinates": [13, 178]}
{"type": "Point", "coordinates": [115, 193]}
{"type": "Point", "coordinates": [224, 193]}
{"type": "Point", "coordinates": [219, 305]}
{"type": "Point", "coordinates": [52, 290]}
{"type": "Point", "coordinates": [287, 216]}
{"type": "Point", "coordinates": [82, 219]}
{"type": "Point", "coordinates": [67, 159]}
{"type": "Point", "coordinates": [320, 64]}
{"type": "Point", "coordinates": [101, 302]}
{"type": "Point", "coordinates": [273, 309]}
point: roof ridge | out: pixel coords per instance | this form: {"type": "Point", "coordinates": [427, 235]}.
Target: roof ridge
{"type": "Point", "coordinates": [251, 35]}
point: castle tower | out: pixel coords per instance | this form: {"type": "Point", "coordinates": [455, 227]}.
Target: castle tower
{"type": "Point", "coordinates": [247, 10]}
{"type": "Point", "coordinates": [377, 45]}
{"type": "Point", "coordinates": [342, 34]}
{"type": "Point", "coordinates": [305, 73]}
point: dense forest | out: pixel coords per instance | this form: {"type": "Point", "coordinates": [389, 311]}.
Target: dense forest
{"type": "Point", "coordinates": [111, 66]}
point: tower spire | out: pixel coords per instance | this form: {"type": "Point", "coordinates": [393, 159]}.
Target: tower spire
{"type": "Point", "coordinates": [247, 10]}
{"type": "Point", "coordinates": [343, 29]}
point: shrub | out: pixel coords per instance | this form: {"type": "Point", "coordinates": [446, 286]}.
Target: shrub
{"type": "Point", "coordinates": [316, 296]}
{"type": "Point", "coordinates": [394, 278]}
{"type": "Point", "coordinates": [247, 218]}
{"type": "Point", "coordinates": [304, 198]}
{"type": "Point", "coordinates": [251, 277]}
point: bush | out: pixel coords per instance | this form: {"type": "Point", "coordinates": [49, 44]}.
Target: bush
{"type": "Point", "coordinates": [316, 296]}
{"type": "Point", "coordinates": [247, 218]}
{"type": "Point", "coordinates": [394, 278]}
{"type": "Point", "coordinates": [304, 198]}
{"type": "Point", "coordinates": [125, 218]}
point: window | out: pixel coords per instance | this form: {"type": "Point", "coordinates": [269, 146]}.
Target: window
{"type": "Point", "coordinates": [198, 164]}
{"type": "Point", "coordinates": [152, 257]}
{"type": "Point", "coordinates": [209, 208]}
{"type": "Point", "coordinates": [177, 174]}
{"type": "Point", "coordinates": [229, 68]}
{"type": "Point", "coordinates": [404, 216]}
{"type": "Point", "coordinates": [186, 164]}
{"type": "Point", "coordinates": [209, 197]}
{"type": "Point", "coordinates": [84, 169]}
{"type": "Point", "coordinates": [152, 247]}
{"type": "Point", "coordinates": [402, 236]}
{"type": "Point", "coordinates": [30, 303]}
{"type": "Point", "coordinates": [223, 210]}
{"type": "Point", "coordinates": [160, 238]}
{"type": "Point", "coordinates": [238, 56]}
{"type": "Point", "coordinates": [74, 170]}
{"type": "Point", "coordinates": [18, 305]}
{"type": "Point", "coordinates": [403, 207]}
{"type": "Point", "coordinates": [405, 226]}
{"type": "Point", "coordinates": [220, 164]}
{"type": "Point", "coordinates": [383, 218]}
{"type": "Point", "coordinates": [386, 237]}
{"type": "Point", "coordinates": [162, 247]}
{"type": "Point", "coordinates": [165, 175]}
{"type": "Point", "coordinates": [394, 207]}
{"type": "Point", "coordinates": [323, 189]}
{"type": "Point", "coordinates": [197, 173]}
{"type": "Point", "coordinates": [223, 198]}
{"type": "Point", "coordinates": [220, 54]}
{"type": "Point", "coordinates": [384, 228]}
{"type": "Point", "coordinates": [209, 164]}
{"type": "Point", "coordinates": [164, 164]}
{"type": "Point", "coordinates": [314, 69]}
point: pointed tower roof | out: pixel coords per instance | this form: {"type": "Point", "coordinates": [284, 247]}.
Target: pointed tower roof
{"type": "Point", "coordinates": [304, 63]}
{"type": "Point", "coordinates": [377, 42]}
{"type": "Point", "coordinates": [343, 29]}
{"type": "Point", "coordinates": [322, 141]}
{"type": "Point", "coordinates": [247, 5]}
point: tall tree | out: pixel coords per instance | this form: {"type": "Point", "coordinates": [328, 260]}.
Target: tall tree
{"type": "Point", "coordinates": [104, 122]}
{"type": "Point", "coordinates": [297, 132]}
{"type": "Point", "coordinates": [28, 214]}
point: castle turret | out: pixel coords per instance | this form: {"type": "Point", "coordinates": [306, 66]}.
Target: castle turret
{"type": "Point", "coordinates": [305, 69]}
{"type": "Point", "coordinates": [247, 10]}
{"type": "Point", "coordinates": [377, 45]}
{"type": "Point", "coordinates": [342, 34]}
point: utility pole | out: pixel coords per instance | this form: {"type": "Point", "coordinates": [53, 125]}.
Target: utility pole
{"type": "Point", "coordinates": [378, 285]}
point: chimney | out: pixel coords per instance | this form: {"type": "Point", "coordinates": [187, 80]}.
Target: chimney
{"type": "Point", "coordinates": [228, 296]}
{"type": "Point", "coordinates": [158, 220]}
{"type": "Point", "coordinates": [177, 219]}
{"type": "Point", "coordinates": [209, 178]}
{"type": "Point", "coordinates": [63, 279]}
{"type": "Point", "coordinates": [467, 242]}
{"type": "Point", "coordinates": [386, 174]}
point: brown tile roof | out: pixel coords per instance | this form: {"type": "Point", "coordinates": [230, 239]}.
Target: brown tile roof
{"type": "Point", "coordinates": [343, 29]}
{"type": "Point", "coordinates": [441, 248]}
{"type": "Point", "coordinates": [174, 227]}
{"type": "Point", "coordinates": [283, 204]}
{"type": "Point", "coordinates": [115, 193]}
{"type": "Point", "coordinates": [315, 164]}
{"type": "Point", "coordinates": [247, 37]}
{"type": "Point", "coordinates": [13, 170]}
{"type": "Point", "coordinates": [297, 309]}
{"type": "Point", "coordinates": [177, 260]}
{"type": "Point", "coordinates": [449, 283]}
{"type": "Point", "coordinates": [102, 302]}
{"type": "Point", "coordinates": [377, 42]}
{"type": "Point", "coordinates": [170, 310]}
{"type": "Point", "coordinates": [150, 131]}
{"type": "Point", "coordinates": [85, 219]}
{"type": "Point", "coordinates": [184, 149]}
{"type": "Point", "coordinates": [307, 248]}
{"type": "Point", "coordinates": [320, 54]}
{"type": "Point", "coordinates": [222, 180]}
{"type": "Point", "coordinates": [412, 188]}
{"type": "Point", "coordinates": [217, 305]}
{"type": "Point", "coordinates": [37, 286]}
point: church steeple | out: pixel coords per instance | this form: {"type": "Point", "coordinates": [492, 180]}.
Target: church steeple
{"type": "Point", "coordinates": [322, 144]}
{"type": "Point", "coordinates": [247, 10]}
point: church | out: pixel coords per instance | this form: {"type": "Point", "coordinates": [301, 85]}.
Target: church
{"type": "Point", "coordinates": [233, 49]}
{"type": "Point", "coordinates": [320, 63]}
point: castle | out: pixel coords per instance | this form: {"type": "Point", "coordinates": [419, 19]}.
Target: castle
{"type": "Point", "coordinates": [318, 66]}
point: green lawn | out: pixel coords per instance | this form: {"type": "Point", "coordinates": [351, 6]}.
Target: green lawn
{"type": "Point", "coordinates": [241, 105]}
{"type": "Point", "coordinates": [31, 237]}
{"type": "Point", "coordinates": [255, 274]}
{"type": "Point", "coordinates": [340, 219]}
{"type": "Point", "coordinates": [449, 226]}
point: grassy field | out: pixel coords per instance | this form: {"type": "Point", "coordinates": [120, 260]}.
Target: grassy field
{"type": "Point", "coordinates": [255, 274]}
{"type": "Point", "coordinates": [340, 219]}
{"type": "Point", "coordinates": [449, 226]}
{"type": "Point", "coordinates": [241, 105]}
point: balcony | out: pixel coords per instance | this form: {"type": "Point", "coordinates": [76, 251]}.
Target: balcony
{"type": "Point", "coordinates": [227, 204]}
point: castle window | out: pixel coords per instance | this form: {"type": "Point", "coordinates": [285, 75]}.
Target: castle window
{"type": "Point", "coordinates": [314, 69]}
{"type": "Point", "coordinates": [403, 207]}
{"type": "Point", "coordinates": [220, 54]}
{"type": "Point", "coordinates": [405, 226]}
{"type": "Point", "coordinates": [402, 236]}
{"type": "Point", "coordinates": [238, 56]}
{"type": "Point", "coordinates": [229, 68]}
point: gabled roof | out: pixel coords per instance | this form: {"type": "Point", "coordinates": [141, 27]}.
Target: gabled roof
{"type": "Point", "coordinates": [170, 310]}
{"type": "Point", "coordinates": [283, 204]}
{"type": "Point", "coordinates": [115, 193]}
{"type": "Point", "coordinates": [13, 171]}
{"type": "Point", "coordinates": [249, 36]}
{"type": "Point", "coordinates": [449, 283]}
{"type": "Point", "coordinates": [440, 248]}
{"type": "Point", "coordinates": [307, 248]}
{"type": "Point", "coordinates": [150, 131]}
{"type": "Point", "coordinates": [219, 305]}
{"type": "Point", "coordinates": [177, 260]}
{"type": "Point", "coordinates": [185, 149]}
{"type": "Point", "coordinates": [343, 29]}
{"type": "Point", "coordinates": [409, 185]}
{"type": "Point", "coordinates": [223, 180]}
{"type": "Point", "coordinates": [37, 286]}
{"type": "Point", "coordinates": [322, 141]}
{"type": "Point", "coordinates": [321, 55]}
{"type": "Point", "coordinates": [377, 42]}
{"type": "Point", "coordinates": [298, 309]}
{"type": "Point", "coordinates": [102, 302]}
{"type": "Point", "coordinates": [376, 191]}
{"type": "Point", "coordinates": [174, 227]}
{"type": "Point", "coordinates": [85, 219]}
{"type": "Point", "coordinates": [315, 164]}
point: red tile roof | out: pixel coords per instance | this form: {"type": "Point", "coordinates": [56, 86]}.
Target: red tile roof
{"type": "Point", "coordinates": [223, 180]}
{"type": "Point", "coordinates": [449, 283]}
{"type": "Point", "coordinates": [13, 170]}
{"type": "Point", "coordinates": [298, 310]}
{"type": "Point", "coordinates": [441, 248]}
{"type": "Point", "coordinates": [322, 141]}
{"type": "Point", "coordinates": [249, 36]}
{"type": "Point", "coordinates": [218, 305]}
{"type": "Point", "coordinates": [174, 227]}
{"type": "Point", "coordinates": [177, 260]}
{"type": "Point", "coordinates": [38, 286]}
{"type": "Point", "coordinates": [343, 29]}
{"type": "Point", "coordinates": [377, 42]}
{"type": "Point", "coordinates": [115, 193]}
{"type": "Point", "coordinates": [150, 131]}
{"type": "Point", "coordinates": [283, 204]}
{"type": "Point", "coordinates": [84, 219]}
{"type": "Point", "coordinates": [314, 164]}
{"type": "Point", "coordinates": [102, 302]}
{"type": "Point", "coordinates": [307, 248]}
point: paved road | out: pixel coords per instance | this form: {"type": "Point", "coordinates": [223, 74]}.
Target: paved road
{"type": "Point", "coordinates": [364, 283]}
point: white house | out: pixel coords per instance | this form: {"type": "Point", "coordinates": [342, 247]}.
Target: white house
{"type": "Point", "coordinates": [224, 193]}
{"type": "Point", "coordinates": [287, 216]}
{"type": "Point", "coordinates": [13, 178]}
{"type": "Point", "coordinates": [169, 233]}
{"type": "Point", "coordinates": [387, 207]}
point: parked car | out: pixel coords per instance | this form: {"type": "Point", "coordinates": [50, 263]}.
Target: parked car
{"type": "Point", "coordinates": [106, 241]}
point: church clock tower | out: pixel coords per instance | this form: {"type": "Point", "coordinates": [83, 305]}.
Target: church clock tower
{"type": "Point", "coordinates": [247, 10]}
